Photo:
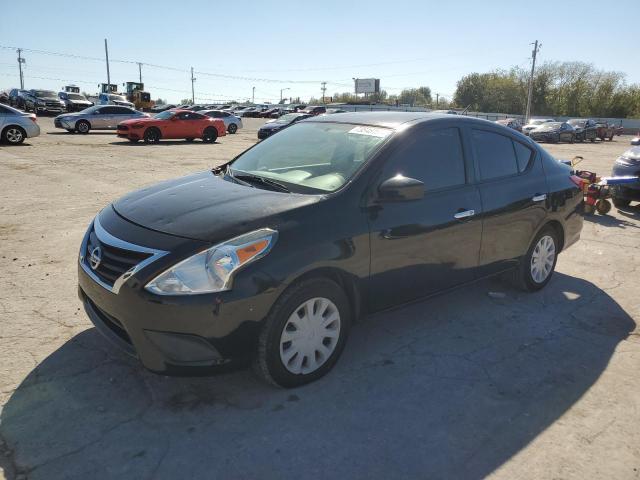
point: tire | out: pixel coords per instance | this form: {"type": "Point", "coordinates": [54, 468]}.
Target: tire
{"type": "Point", "coordinates": [210, 135]}
{"type": "Point", "coordinates": [14, 135]}
{"type": "Point", "coordinates": [82, 126]}
{"type": "Point", "coordinates": [233, 128]}
{"type": "Point", "coordinates": [133, 140]}
{"type": "Point", "coordinates": [620, 202]}
{"type": "Point", "coordinates": [572, 138]}
{"type": "Point", "coordinates": [274, 362]}
{"type": "Point", "coordinates": [537, 266]}
{"type": "Point", "coordinates": [592, 139]}
{"type": "Point", "coordinates": [603, 206]}
{"type": "Point", "coordinates": [151, 135]}
{"type": "Point", "coordinates": [71, 130]}
{"type": "Point", "coordinates": [189, 139]}
{"type": "Point", "coordinates": [611, 138]}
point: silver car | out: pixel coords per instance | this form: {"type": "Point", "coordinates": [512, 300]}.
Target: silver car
{"type": "Point", "coordinates": [232, 122]}
{"type": "Point", "coordinates": [17, 125]}
{"type": "Point", "coordinates": [98, 117]}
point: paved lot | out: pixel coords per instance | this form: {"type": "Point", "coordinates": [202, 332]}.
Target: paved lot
{"type": "Point", "coordinates": [465, 385]}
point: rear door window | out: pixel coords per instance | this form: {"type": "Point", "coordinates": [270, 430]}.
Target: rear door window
{"type": "Point", "coordinates": [495, 154]}
{"type": "Point", "coordinates": [524, 155]}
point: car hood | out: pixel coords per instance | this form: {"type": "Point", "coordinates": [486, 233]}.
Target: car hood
{"type": "Point", "coordinates": [81, 102]}
{"type": "Point", "coordinates": [47, 99]}
{"type": "Point", "coordinates": [206, 207]}
{"type": "Point", "coordinates": [545, 128]}
{"type": "Point", "coordinates": [129, 121]}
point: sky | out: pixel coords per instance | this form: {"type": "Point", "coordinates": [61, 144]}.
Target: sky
{"type": "Point", "coordinates": [295, 45]}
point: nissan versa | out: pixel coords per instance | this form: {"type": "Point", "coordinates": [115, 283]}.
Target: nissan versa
{"type": "Point", "coordinates": [272, 256]}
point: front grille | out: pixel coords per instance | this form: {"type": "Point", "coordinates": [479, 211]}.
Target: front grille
{"type": "Point", "coordinates": [114, 262]}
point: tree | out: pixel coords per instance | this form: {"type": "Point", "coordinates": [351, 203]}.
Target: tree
{"type": "Point", "coordinates": [420, 96]}
{"type": "Point", "coordinates": [186, 101]}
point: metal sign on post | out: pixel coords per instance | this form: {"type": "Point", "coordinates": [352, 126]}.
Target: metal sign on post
{"type": "Point", "coordinates": [367, 85]}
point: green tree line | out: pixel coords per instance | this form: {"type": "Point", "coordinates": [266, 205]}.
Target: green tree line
{"type": "Point", "coordinates": [573, 89]}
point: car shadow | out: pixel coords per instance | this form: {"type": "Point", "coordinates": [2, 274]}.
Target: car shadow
{"type": "Point", "coordinates": [92, 132]}
{"type": "Point", "coordinates": [615, 221]}
{"type": "Point", "coordinates": [451, 387]}
{"type": "Point", "coordinates": [164, 142]}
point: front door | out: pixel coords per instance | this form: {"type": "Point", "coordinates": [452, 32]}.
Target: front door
{"type": "Point", "coordinates": [423, 246]}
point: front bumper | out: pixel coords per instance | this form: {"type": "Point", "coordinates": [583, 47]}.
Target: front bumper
{"type": "Point", "coordinates": [49, 109]}
{"type": "Point", "coordinates": [262, 134]}
{"type": "Point", "coordinates": [173, 335]}
{"type": "Point", "coordinates": [544, 137]}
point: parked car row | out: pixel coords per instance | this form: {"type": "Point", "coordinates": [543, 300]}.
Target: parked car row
{"type": "Point", "coordinates": [574, 130]}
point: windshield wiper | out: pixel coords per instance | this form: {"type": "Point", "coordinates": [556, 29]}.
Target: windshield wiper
{"type": "Point", "coordinates": [221, 168]}
{"type": "Point", "coordinates": [248, 177]}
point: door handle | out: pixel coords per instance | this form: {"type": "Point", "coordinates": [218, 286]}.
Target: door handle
{"type": "Point", "coordinates": [464, 214]}
{"type": "Point", "coordinates": [539, 198]}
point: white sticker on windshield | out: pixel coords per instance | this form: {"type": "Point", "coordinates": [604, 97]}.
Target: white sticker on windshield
{"type": "Point", "coordinates": [371, 131]}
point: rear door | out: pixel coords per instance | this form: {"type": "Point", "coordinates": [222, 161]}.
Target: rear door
{"type": "Point", "coordinates": [3, 116]}
{"type": "Point", "coordinates": [423, 246]}
{"type": "Point", "coordinates": [514, 192]}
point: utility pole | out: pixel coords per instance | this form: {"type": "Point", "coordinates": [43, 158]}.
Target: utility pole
{"type": "Point", "coordinates": [536, 48]}
{"type": "Point", "coordinates": [106, 54]}
{"type": "Point", "coordinates": [282, 90]}
{"type": "Point", "coordinates": [437, 99]}
{"type": "Point", "coordinates": [193, 91]}
{"type": "Point", "coordinates": [20, 62]}
{"type": "Point", "coordinates": [253, 95]}
{"type": "Point", "coordinates": [140, 70]}
{"type": "Point", "coordinates": [324, 89]}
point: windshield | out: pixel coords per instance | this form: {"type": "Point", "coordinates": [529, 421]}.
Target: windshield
{"type": "Point", "coordinates": [120, 98]}
{"type": "Point", "coordinates": [537, 122]}
{"type": "Point", "coordinates": [550, 126]}
{"type": "Point", "coordinates": [288, 118]}
{"type": "Point", "coordinates": [579, 123]}
{"type": "Point", "coordinates": [44, 93]}
{"type": "Point", "coordinates": [75, 96]}
{"type": "Point", "coordinates": [166, 115]}
{"type": "Point", "coordinates": [314, 156]}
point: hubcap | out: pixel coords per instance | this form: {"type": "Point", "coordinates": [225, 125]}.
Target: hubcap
{"type": "Point", "coordinates": [542, 259]}
{"type": "Point", "coordinates": [14, 135]}
{"type": "Point", "coordinates": [310, 336]}
{"type": "Point", "coordinates": [83, 127]}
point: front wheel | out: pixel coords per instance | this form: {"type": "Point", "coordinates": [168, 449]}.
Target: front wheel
{"type": "Point", "coordinates": [83, 126]}
{"type": "Point", "coordinates": [151, 135]}
{"type": "Point", "coordinates": [603, 206]}
{"type": "Point", "coordinates": [538, 264]}
{"type": "Point", "coordinates": [304, 334]}
{"type": "Point", "coordinates": [233, 128]}
{"type": "Point", "coordinates": [210, 135]}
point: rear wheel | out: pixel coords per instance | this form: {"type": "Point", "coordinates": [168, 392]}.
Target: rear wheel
{"type": "Point", "coordinates": [151, 135]}
{"type": "Point", "coordinates": [538, 264]}
{"type": "Point", "coordinates": [304, 334]}
{"type": "Point", "coordinates": [83, 126]}
{"type": "Point", "coordinates": [210, 135]}
{"type": "Point", "coordinates": [189, 139]}
{"type": "Point", "coordinates": [14, 135]}
{"type": "Point", "coordinates": [233, 128]}
{"type": "Point", "coordinates": [603, 206]}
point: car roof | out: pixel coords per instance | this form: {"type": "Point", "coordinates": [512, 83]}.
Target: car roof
{"type": "Point", "coordinates": [394, 119]}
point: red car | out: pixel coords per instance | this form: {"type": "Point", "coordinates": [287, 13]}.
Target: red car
{"type": "Point", "coordinates": [172, 124]}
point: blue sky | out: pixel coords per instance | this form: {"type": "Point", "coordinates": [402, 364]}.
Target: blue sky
{"type": "Point", "coordinates": [298, 44]}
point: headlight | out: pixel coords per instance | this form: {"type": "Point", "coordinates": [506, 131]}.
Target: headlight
{"type": "Point", "coordinates": [212, 270]}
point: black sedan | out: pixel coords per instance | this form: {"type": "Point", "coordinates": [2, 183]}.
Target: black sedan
{"type": "Point", "coordinates": [553, 132]}
{"type": "Point", "coordinates": [274, 126]}
{"type": "Point", "coordinates": [271, 257]}
{"type": "Point", "coordinates": [627, 164]}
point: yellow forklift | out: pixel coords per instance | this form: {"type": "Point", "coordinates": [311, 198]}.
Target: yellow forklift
{"type": "Point", "coordinates": [137, 96]}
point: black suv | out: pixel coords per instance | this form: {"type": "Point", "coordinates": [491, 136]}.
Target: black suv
{"type": "Point", "coordinates": [17, 98]}
{"type": "Point", "coordinates": [584, 128]}
{"type": "Point", "coordinates": [46, 101]}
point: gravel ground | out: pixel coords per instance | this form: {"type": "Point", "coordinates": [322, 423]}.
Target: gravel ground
{"type": "Point", "coordinates": [465, 385]}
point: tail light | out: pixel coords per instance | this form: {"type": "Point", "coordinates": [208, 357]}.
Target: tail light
{"type": "Point", "coordinates": [33, 118]}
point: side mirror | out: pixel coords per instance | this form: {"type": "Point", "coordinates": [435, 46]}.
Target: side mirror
{"type": "Point", "coordinates": [400, 189]}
